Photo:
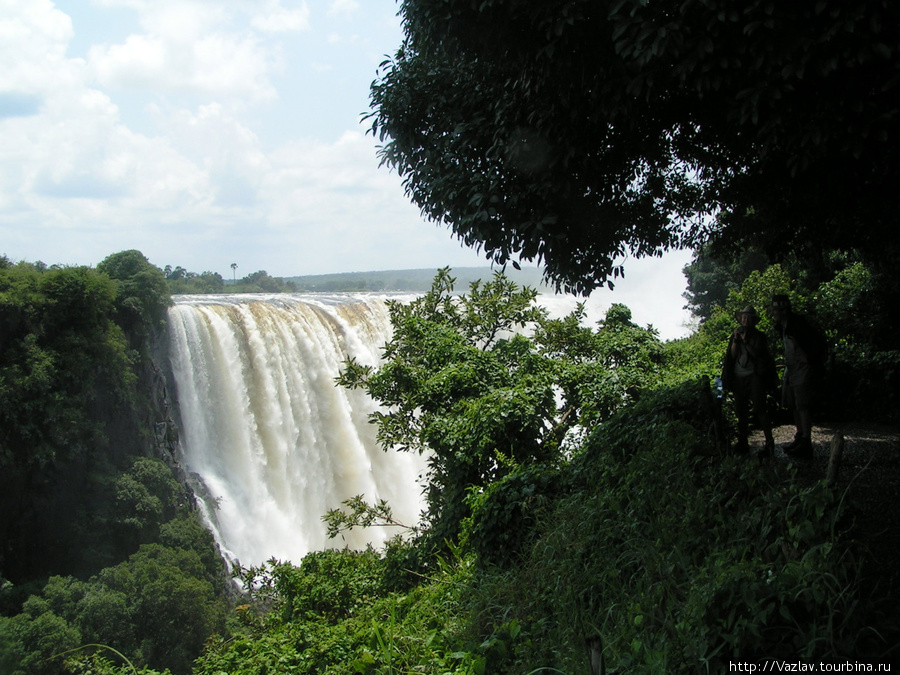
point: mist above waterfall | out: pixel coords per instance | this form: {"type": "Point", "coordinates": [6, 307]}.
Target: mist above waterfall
{"type": "Point", "coordinates": [274, 440]}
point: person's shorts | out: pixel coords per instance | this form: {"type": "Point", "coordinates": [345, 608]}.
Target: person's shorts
{"type": "Point", "coordinates": [800, 396]}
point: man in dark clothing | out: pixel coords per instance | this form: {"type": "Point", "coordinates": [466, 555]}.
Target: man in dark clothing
{"type": "Point", "coordinates": [804, 356]}
{"type": "Point", "coordinates": [749, 373]}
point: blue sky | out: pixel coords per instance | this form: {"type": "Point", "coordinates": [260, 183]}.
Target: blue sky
{"type": "Point", "coordinates": [206, 132]}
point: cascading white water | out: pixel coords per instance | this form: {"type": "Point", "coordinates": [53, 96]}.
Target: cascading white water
{"type": "Point", "coordinates": [274, 439]}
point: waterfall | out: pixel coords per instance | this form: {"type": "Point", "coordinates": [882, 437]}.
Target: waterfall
{"type": "Point", "coordinates": [274, 441]}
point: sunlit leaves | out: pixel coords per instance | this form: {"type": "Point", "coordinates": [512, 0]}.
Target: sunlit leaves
{"type": "Point", "coordinates": [461, 383]}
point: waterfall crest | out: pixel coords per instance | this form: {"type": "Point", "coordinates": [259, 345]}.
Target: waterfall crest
{"type": "Point", "coordinates": [274, 440]}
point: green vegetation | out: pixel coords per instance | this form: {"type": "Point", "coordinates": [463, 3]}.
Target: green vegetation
{"type": "Point", "coordinates": [100, 540]}
{"type": "Point", "coordinates": [577, 507]}
{"type": "Point", "coordinates": [67, 372]}
{"type": "Point", "coordinates": [159, 606]}
{"type": "Point", "coordinates": [572, 132]}
{"type": "Point", "coordinates": [182, 282]}
{"type": "Point", "coordinates": [601, 521]}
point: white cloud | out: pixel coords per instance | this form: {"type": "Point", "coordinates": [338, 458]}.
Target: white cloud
{"type": "Point", "coordinates": [344, 7]}
{"type": "Point", "coordinates": [197, 47]}
{"type": "Point", "coordinates": [69, 161]}
{"type": "Point", "coordinates": [273, 18]}
{"type": "Point", "coordinates": [208, 66]}
{"type": "Point", "coordinates": [33, 40]}
{"type": "Point", "coordinates": [228, 151]}
{"type": "Point", "coordinates": [87, 154]}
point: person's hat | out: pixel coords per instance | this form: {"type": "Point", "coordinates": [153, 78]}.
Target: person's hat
{"type": "Point", "coordinates": [781, 302]}
{"type": "Point", "coordinates": [748, 310]}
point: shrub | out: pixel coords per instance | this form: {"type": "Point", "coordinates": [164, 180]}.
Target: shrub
{"type": "Point", "coordinates": [675, 559]}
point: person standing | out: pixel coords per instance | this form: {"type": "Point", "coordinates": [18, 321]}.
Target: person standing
{"type": "Point", "coordinates": [804, 357]}
{"type": "Point", "coordinates": [749, 373]}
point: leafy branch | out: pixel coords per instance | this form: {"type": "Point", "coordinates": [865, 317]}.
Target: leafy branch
{"type": "Point", "coordinates": [361, 514]}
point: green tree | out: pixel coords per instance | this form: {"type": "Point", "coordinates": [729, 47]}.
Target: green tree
{"type": "Point", "coordinates": [573, 132]}
{"type": "Point", "coordinates": [143, 295]}
{"type": "Point", "coordinates": [709, 279]}
{"type": "Point", "coordinates": [100, 615]}
{"type": "Point", "coordinates": [174, 608]}
{"type": "Point", "coordinates": [35, 637]}
{"type": "Point", "coordinates": [145, 497]}
{"type": "Point", "coordinates": [460, 384]}
{"type": "Point", "coordinates": [261, 282]}
{"type": "Point", "coordinates": [158, 608]}
{"type": "Point", "coordinates": [65, 369]}
{"type": "Point", "coordinates": [186, 532]}
{"type": "Point", "coordinates": [206, 282]}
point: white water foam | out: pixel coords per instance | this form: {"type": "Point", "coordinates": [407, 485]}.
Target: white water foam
{"type": "Point", "coordinates": [274, 439]}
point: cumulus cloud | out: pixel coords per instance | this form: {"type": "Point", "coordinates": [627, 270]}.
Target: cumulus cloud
{"type": "Point", "coordinates": [272, 17]}
{"type": "Point", "coordinates": [67, 159]}
{"type": "Point", "coordinates": [89, 154]}
{"type": "Point", "coordinates": [345, 7]}
{"type": "Point", "coordinates": [211, 65]}
{"type": "Point", "coordinates": [33, 41]}
{"type": "Point", "coordinates": [235, 168]}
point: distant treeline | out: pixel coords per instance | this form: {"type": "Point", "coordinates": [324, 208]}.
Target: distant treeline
{"type": "Point", "coordinates": [414, 281]}
{"type": "Point", "coordinates": [183, 282]}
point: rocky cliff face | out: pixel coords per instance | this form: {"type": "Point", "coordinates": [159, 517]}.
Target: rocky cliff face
{"type": "Point", "coordinates": [147, 424]}
{"type": "Point", "coordinates": [163, 412]}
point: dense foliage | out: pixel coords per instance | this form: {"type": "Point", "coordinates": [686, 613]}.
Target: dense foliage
{"type": "Point", "coordinates": [668, 558]}
{"type": "Point", "coordinates": [65, 368]}
{"type": "Point", "coordinates": [572, 132]}
{"type": "Point", "coordinates": [142, 295]}
{"type": "Point", "coordinates": [633, 541]}
{"type": "Point", "coordinates": [578, 509]}
{"type": "Point", "coordinates": [482, 400]}
{"type": "Point", "coordinates": [158, 606]}
{"type": "Point", "coordinates": [100, 541]}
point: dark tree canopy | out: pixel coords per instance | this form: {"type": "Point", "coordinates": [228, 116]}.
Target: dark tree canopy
{"type": "Point", "coordinates": [576, 132]}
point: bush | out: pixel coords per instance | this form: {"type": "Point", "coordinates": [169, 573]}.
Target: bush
{"type": "Point", "coordinates": [675, 559]}
{"type": "Point", "coordinates": [504, 514]}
